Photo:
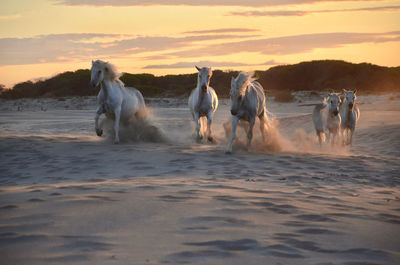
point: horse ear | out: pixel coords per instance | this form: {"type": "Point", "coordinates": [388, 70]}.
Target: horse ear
{"type": "Point", "coordinates": [106, 69]}
{"type": "Point", "coordinates": [355, 91]}
{"type": "Point", "coordinates": [232, 81]}
{"type": "Point", "coordinates": [344, 90]}
{"type": "Point", "coordinates": [198, 69]}
{"type": "Point", "coordinates": [92, 62]}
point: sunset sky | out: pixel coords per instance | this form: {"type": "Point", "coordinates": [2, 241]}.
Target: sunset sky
{"type": "Point", "coordinates": [41, 38]}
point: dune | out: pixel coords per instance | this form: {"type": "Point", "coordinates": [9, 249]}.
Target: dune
{"type": "Point", "coordinates": [70, 197]}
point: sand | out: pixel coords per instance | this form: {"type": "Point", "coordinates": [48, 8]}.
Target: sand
{"type": "Point", "coordinates": [70, 197]}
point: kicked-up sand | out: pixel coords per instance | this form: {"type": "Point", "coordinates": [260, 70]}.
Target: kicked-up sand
{"type": "Point", "coordinates": [70, 197]}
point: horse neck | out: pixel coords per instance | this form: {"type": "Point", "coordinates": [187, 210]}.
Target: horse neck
{"type": "Point", "coordinates": [198, 83]}
{"type": "Point", "coordinates": [200, 94]}
{"type": "Point", "coordinates": [348, 110]}
{"type": "Point", "coordinates": [247, 91]}
{"type": "Point", "coordinates": [107, 86]}
{"type": "Point", "coordinates": [330, 112]}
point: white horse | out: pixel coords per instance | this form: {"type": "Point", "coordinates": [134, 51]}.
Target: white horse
{"type": "Point", "coordinates": [247, 102]}
{"type": "Point", "coordinates": [349, 113]}
{"type": "Point", "coordinates": [115, 100]}
{"type": "Point", "coordinates": [203, 102]}
{"type": "Point", "coordinates": [326, 118]}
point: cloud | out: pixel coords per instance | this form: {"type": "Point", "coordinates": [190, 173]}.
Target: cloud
{"type": "Point", "coordinates": [87, 46]}
{"type": "Point", "coordinates": [10, 17]}
{"type": "Point", "coordinates": [204, 63]}
{"type": "Point", "coordinates": [67, 47]}
{"type": "Point", "coordinates": [271, 62]}
{"type": "Point", "coordinates": [153, 44]}
{"type": "Point", "coordinates": [47, 48]}
{"type": "Point", "coordinates": [248, 3]}
{"type": "Point", "coordinates": [289, 44]}
{"type": "Point", "coordinates": [224, 30]}
{"type": "Point", "coordinates": [278, 13]}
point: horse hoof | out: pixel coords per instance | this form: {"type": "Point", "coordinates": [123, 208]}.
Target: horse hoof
{"type": "Point", "coordinates": [228, 152]}
{"type": "Point", "coordinates": [199, 138]}
{"type": "Point", "coordinates": [116, 141]}
{"type": "Point", "coordinates": [99, 132]}
{"type": "Point", "coordinates": [211, 139]}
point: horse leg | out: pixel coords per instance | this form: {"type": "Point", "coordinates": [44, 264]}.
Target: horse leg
{"type": "Point", "coordinates": [99, 111]}
{"type": "Point", "coordinates": [197, 121]}
{"type": "Point", "coordinates": [334, 134]}
{"type": "Point", "coordinates": [209, 121]}
{"type": "Point", "coordinates": [233, 133]}
{"type": "Point", "coordinates": [330, 137]}
{"type": "Point", "coordinates": [319, 138]}
{"type": "Point", "coordinates": [351, 137]}
{"type": "Point", "coordinates": [250, 134]}
{"type": "Point", "coordinates": [343, 136]}
{"type": "Point", "coordinates": [116, 124]}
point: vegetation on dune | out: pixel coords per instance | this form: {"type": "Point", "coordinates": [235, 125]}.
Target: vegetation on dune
{"type": "Point", "coordinates": [283, 96]}
{"type": "Point", "coordinates": [280, 80]}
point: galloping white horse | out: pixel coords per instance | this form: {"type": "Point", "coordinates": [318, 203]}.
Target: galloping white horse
{"type": "Point", "coordinates": [327, 119]}
{"type": "Point", "coordinates": [247, 103]}
{"type": "Point", "coordinates": [115, 100]}
{"type": "Point", "coordinates": [203, 102]}
{"type": "Point", "coordinates": [349, 113]}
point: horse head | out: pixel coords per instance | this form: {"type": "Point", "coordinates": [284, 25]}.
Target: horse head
{"type": "Point", "coordinates": [203, 79]}
{"type": "Point", "coordinates": [333, 102]}
{"type": "Point", "coordinates": [102, 70]}
{"type": "Point", "coordinates": [238, 90]}
{"type": "Point", "coordinates": [350, 98]}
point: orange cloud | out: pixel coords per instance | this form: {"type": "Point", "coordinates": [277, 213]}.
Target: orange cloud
{"type": "Point", "coordinates": [248, 3]}
{"type": "Point", "coordinates": [280, 13]}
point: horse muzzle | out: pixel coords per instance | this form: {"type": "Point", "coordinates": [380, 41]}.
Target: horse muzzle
{"type": "Point", "coordinates": [233, 112]}
{"type": "Point", "coordinates": [351, 105]}
{"type": "Point", "coordinates": [204, 88]}
{"type": "Point", "coordinates": [93, 84]}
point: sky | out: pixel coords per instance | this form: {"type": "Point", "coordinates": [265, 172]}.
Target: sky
{"type": "Point", "coordinates": [41, 38]}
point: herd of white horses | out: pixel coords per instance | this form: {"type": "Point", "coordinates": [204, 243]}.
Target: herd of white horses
{"type": "Point", "coordinates": [336, 117]}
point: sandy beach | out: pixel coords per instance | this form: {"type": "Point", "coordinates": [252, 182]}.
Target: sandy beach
{"type": "Point", "coordinates": [70, 197]}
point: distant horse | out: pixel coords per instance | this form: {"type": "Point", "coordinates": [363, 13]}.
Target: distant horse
{"type": "Point", "coordinates": [203, 102]}
{"type": "Point", "coordinates": [349, 113]}
{"type": "Point", "coordinates": [115, 100]}
{"type": "Point", "coordinates": [326, 117]}
{"type": "Point", "coordinates": [247, 102]}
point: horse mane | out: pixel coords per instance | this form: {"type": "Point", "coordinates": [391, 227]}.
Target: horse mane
{"type": "Point", "coordinates": [243, 80]}
{"type": "Point", "coordinates": [111, 72]}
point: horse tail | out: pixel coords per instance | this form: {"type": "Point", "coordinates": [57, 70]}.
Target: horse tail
{"type": "Point", "coordinates": [357, 112]}
{"type": "Point", "coordinates": [214, 99]}
{"type": "Point", "coordinates": [140, 98]}
{"type": "Point", "coordinates": [141, 112]}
